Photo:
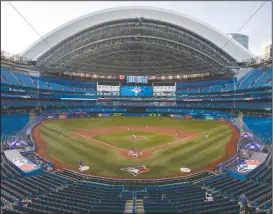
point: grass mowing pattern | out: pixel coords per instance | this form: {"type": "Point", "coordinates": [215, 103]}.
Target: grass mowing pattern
{"type": "Point", "coordinates": [124, 139]}
{"type": "Point", "coordinates": [87, 123]}
{"type": "Point", "coordinates": [193, 153]}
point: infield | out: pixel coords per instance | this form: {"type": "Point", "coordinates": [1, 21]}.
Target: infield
{"type": "Point", "coordinates": [135, 139]}
{"type": "Point", "coordinates": [87, 140]}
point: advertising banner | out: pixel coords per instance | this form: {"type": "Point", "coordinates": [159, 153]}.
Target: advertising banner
{"type": "Point", "coordinates": [152, 78]}
{"type": "Point", "coordinates": [135, 114]}
{"type": "Point", "coordinates": [117, 114]}
{"type": "Point", "coordinates": [50, 116]}
{"type": "Point", "coordinates": [136, 91]}
{"type": "Point", "coordinates": [121, 77]}
{"type": "Point", "coordinates": [6, 89]}
{"type": "Point", "coordinates": [187, 116]}
{"type": "Point", "coordinates": [247, 166]}
{"type": "Point", "coordinates": [154, 115]}
{"type": "Point", "coordinates": [177, 115]}
{"type": "Point", "coordinates": [104, 115]}
{"type": "Point", "coordinates": [62, 116]}
{"type": "Point", "coordinates": [209, 118]}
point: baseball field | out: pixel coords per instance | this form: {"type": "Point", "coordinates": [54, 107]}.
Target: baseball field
{"type": "Point", "coordinates": [162, 145]}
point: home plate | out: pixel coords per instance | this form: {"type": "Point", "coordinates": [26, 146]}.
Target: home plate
{"type": "Point", "coordinates": [84, 168]}
{"type": "Point", "coordinates": [185, 170]}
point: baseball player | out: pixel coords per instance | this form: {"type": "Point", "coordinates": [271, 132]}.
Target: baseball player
{"type": "Point", "coordinates": [80, 166]}
{"type": "Point", "coordinates": [206, 135]}
{"type": "Point", "coordinates": [61, 134]}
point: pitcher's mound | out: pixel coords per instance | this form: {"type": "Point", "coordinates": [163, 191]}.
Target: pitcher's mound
{"type": "Point", "coordinates": [136, 137]}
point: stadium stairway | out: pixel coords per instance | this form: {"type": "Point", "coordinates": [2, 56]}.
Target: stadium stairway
{"type": "Point", "coordinates": [139, 206]}
{"type": "Point", "coordinates": [129, 207]}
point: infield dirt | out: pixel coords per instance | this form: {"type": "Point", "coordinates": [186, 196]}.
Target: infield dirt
{"type": "Point", "coordinates": [230, 147]}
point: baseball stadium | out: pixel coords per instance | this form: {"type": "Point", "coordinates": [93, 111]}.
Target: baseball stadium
{"type": "Point", "coordinates": [136, 110]}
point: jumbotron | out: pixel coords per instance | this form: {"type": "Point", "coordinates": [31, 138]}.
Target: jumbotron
{"type": "Point", "coordinates": [136, 110]}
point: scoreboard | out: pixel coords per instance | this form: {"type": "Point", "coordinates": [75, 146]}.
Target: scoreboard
{"type": "Point", "coordinates": [137, 79]}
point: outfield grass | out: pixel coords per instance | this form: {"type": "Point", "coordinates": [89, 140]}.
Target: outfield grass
{"type": "Point", "coordinates": [86, 123]}
{"type": "Point", "coordinates": [124, 139]}
{"type": "Point", "coordinates": [192, 154]}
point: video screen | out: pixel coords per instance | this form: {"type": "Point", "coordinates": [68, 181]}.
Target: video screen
{"type": "Point", "coordinates": [136, 91]}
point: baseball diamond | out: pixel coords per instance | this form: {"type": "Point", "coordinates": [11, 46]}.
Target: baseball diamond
{"type": "Point", "coordinates": [136, 109]}
{"type": "Point", "coordinates": [161, 151]}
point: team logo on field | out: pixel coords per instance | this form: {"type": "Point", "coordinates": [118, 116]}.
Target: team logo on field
{"type": "Point", "coordinates": [136, 170]}
{"type": "Point", "coordinates": [248, 165]}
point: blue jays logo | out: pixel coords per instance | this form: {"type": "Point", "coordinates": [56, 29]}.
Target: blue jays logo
{"type": "Point", "coordinates": [248, 165]}
{"type": "Point", "coordinates": [136, 90]}
{"type": "Point", "coordinates": [136, 170]}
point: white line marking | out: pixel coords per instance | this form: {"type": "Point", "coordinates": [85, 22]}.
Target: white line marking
{"type": "Point", "coordinates": [181, 140]}
{"type": "Point", "coordinates": [118, 148]}
{"type": "Point", "coordinates": [121, 149]}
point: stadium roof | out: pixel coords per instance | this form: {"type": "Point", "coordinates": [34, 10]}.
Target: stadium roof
{"type": "Point", "coordinates": [137, 40]}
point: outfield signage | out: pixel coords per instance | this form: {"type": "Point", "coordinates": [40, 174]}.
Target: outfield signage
{"type": "Point", "coordinates": [177, 115]}
{"type": "Point", "coordinates": [117, 114]}
{"type": "Point", "coordinates": [154, 115]}
{"type": "Point", "coordinates": [62, 116]}
{"type": "Point", "coordinates": [187, 116]}
{"type": "Point", "coordinates": [105, 115]}
{"type": "Point", "coordinates": [192, 100]}
{"type": "Point", "coordinates": [209, 118]}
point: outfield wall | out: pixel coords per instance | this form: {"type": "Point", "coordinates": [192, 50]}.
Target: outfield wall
{"type": "Point", "coordinates": [174, 113]}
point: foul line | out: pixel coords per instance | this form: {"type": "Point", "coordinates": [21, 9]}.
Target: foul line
{"type": "Point", "coordinates": [146, 150]}
{"type": "Point", "coordinates": [181, 140]}
{"type": "Point", "coordinates": [106, 144]}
